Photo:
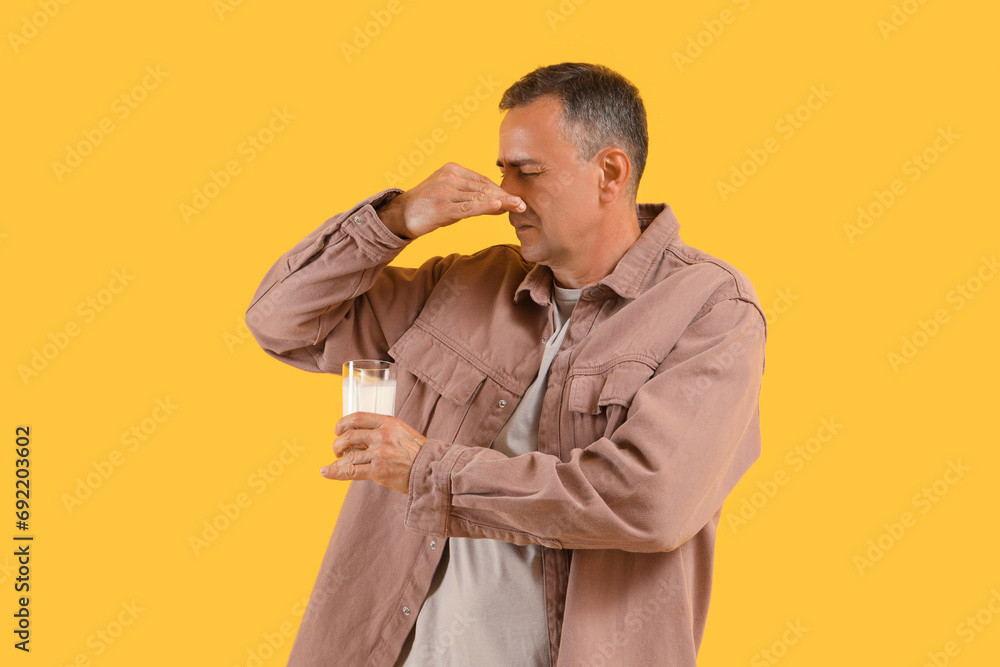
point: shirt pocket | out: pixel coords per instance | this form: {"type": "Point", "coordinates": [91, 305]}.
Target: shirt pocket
{"type": "Point", "coordinates": [598, 400]}
{"type": "Point", "coordinates": [435, 384]}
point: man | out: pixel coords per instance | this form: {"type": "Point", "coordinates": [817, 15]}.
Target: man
{"type": "Point", "coordinates": [571, 413]}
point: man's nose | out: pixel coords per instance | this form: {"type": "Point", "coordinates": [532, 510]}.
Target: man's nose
{"type": "Point", "coordinates": [510, 186]}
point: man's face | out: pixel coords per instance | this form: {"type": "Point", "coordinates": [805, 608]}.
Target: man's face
{"type": "Point", "coordinates": [559, 189]}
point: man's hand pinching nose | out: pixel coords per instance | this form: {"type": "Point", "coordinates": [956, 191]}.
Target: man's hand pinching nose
{"type": "Point", "coordinates": [450, 194]}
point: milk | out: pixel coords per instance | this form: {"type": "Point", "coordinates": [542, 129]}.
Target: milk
{"type": "Point", "coordinates": [364, 395]}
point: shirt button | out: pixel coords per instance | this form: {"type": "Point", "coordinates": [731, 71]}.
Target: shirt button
{"type": "Point", "coordinates": [406, 611]}
{"type": "Point", "coordinates": [357, 219]}
{"type": "Point", "coordinates": [434, 545]}
{"type": "Point", "coordinates": [594, 291]}
{"type": "Point", "coordinates": [502, 403]}
{"type": "Point", "coordinates": [544, 339]}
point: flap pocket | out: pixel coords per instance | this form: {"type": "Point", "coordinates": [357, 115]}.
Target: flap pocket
{"type": "Point", "coordinates": [434, 362]}
{"type": "Point", "coordinates": [618, 385]}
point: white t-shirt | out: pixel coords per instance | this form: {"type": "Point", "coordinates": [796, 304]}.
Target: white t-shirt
{"type": "Point", "coordinates": [486, 604]}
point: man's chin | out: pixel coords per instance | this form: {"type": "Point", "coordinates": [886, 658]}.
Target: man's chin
{"type": "Point", "coordinates": [532, 249]}
{"type": "Point", "coordinates": [531, 253]}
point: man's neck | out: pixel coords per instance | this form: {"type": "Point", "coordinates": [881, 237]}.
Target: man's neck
{"type": "Point", "coordinates": [605, 252]}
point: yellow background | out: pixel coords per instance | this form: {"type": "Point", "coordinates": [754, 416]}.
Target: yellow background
{"type": "Point", "coordinates": [173, 333]}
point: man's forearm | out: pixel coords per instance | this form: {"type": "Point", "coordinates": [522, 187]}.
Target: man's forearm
{"type": "Point", "coordinates": [651, 486]}
{"type": "Point", "coordinates": [312, 286]}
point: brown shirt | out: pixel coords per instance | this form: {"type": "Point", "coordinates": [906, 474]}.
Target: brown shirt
{"type": "Point", "coordinates": [649, 419]}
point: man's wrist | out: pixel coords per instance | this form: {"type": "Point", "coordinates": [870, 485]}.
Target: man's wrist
{"type": "Point", "coordinates": [391, 215]}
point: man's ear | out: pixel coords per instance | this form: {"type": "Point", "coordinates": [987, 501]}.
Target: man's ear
{"type": "Point", "coordinates": [615, 169]}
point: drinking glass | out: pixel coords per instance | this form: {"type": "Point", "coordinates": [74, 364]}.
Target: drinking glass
{"type": "Point", "coordinates": [369, 386]}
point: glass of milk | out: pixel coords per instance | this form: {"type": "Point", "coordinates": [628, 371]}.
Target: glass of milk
{"type": "Point", "coordinates": [369, 386]}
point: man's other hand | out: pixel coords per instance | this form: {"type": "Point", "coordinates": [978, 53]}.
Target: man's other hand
{"type": "Point", "coordinates": [448, 195]}
{"type": "Point", "coordinates": [374, 447]}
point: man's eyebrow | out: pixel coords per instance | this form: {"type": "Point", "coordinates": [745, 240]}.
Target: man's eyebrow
{"type": "Point", "coordinates": [519, 163]}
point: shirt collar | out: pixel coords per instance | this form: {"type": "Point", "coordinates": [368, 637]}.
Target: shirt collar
{"type": "Point", "coordinates": [658, 228]}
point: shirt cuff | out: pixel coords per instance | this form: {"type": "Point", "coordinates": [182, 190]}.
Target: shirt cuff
{"type": "Point", "coordinates": [360, 224]}
{"type": "Point", "coordinates": [428, 505]}
{"type": "Point", "coordinates": [364, 226]}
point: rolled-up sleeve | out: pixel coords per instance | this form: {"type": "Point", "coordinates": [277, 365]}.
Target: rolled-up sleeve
{"type": "Point", "coordinates": [333, 296]}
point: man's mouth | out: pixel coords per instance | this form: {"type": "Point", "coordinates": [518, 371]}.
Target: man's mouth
{"type": "Point", "coordinates": [518, 222]}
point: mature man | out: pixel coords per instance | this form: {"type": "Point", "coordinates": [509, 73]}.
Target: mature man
{"type": "Point", "coordinates": [571, 412]}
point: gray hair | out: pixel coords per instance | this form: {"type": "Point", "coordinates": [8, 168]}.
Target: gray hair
{"type": "Point", "coordinates": [601, 108]}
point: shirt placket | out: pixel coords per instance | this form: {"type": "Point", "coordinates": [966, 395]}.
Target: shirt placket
{"type": "Point", "coordinates": [580, 323]}
{"type": "Point", "coordinates": [555, 562]}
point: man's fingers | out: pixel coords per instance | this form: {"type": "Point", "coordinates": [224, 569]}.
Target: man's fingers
{"type": "Point", "coordinates": [450, 194]}
{"type": "Point", "coordinates": [494, 193]}
{"type": "Point", "coordinates": [472, 207]}
{"type": "Point", "coordinates": [349, 466]}
{"type": "Point", "coordinates": [352, 441]}
{"type": "Point", "coordinates": [345, 471]}
{"type": "Point", "coordinates": [487, 206]}
{"type": "Point", "coordinates": [499, 199]}
{"type": "Point", "coordinates": [479, 183]}
{"type": "Point", "coordinates": [467, 174]}
{"type": "Point", "coordinates": [515, 204]}
{"type": "Point", "coordinates": [374, 447]}
{"type": "Point", "coordinates": [486, 190]}
{"type": "Point", "coordinates": [362, 420]}
{"type": "Point", "coordinates": [346, 444]}
{"type": "Point", "coordinates": [357, 457]}
{"type": "Point", "coordinates": [359, 430]}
